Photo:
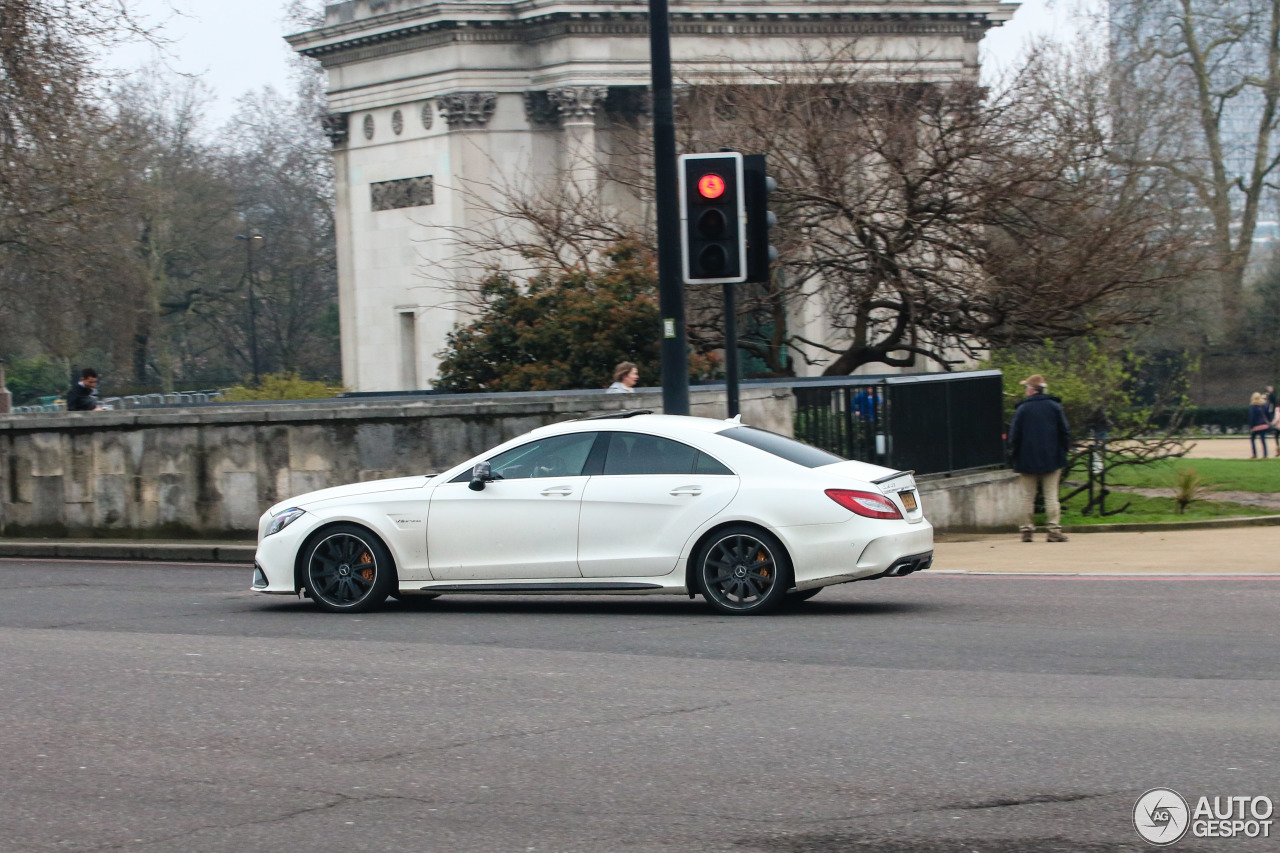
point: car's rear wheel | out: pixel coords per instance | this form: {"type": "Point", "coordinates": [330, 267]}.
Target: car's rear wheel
{"type": "Point", "coordinates": [743, 570]}
{"type": "Point", "coordinates": [348, 570]}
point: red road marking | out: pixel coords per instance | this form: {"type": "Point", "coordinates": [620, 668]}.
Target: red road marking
{"type": "Point", "coordinates": [1102, 577]}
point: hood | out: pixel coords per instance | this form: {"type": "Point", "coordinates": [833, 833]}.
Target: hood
{"type": "Point", "coordinates": [352, 490]}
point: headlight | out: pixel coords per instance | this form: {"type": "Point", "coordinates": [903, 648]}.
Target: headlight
{"type": "Point", "coordinates": [283, 519]}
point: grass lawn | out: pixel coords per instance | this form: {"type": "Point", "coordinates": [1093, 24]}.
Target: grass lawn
{"type": "Point", "coordinates": [1245, 475]}
{"type": "Point", "coordinates": [1142, 509]}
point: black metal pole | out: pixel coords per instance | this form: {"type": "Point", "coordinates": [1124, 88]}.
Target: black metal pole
{"type": "Point", "coordinates": [675, 356]}
{"type": "Point", "coordinates": [731, 348]}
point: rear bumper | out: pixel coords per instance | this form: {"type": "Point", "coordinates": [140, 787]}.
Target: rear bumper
{"type": "Point", "coordinates": [838, 553]}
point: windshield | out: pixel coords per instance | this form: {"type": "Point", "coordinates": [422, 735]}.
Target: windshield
{"type": "Point", "coordinates": [779, 445]}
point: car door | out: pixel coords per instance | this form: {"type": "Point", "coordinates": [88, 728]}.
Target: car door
{"type": "Point", "coordinates": [523, 524]}
{"type": "Point", "coordinates": [652, 495]}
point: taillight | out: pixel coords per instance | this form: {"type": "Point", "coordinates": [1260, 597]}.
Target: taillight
{"type": "Point", "coordinates": [868, 504]}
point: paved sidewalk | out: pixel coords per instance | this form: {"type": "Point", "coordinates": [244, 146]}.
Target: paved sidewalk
{"type": "Point", "coordinates": [1226, 448]}
{"type": "Point", "coordinates": [1222, 551]}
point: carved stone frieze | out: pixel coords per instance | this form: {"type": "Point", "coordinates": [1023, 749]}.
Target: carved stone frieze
{"type": "Point", "coordinates": [467, 109]}
{"type": "Point", "coordinates": [368, 126]}
{"type": "Point", "coordinates": [577, 102]}
{"type": "Point", "coordinates": [337, 128]}
{"type": "Point", "coordinates": [428, 116]}
{"type": "Point", "coordinates": [406, 192]}
{"type": "Point", "coordinates": [397, 122]}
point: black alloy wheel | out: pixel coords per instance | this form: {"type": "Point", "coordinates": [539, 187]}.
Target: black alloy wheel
{"type": "Point", "coordinates": [348, 570]}
{"type": "Point", "coordinates": [744, 570]}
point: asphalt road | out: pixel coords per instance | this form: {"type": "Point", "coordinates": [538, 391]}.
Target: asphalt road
{"type": "Point", "coordinates": [150, 708]}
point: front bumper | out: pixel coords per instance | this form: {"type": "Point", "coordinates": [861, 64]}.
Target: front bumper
{"type": "Point", "coordinates": [277, 554]}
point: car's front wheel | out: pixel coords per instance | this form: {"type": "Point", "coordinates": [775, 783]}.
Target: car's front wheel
{"type": "Point", "coordinates": [744, 570]}
{"type": "Point", "coordinates": [348, 570]}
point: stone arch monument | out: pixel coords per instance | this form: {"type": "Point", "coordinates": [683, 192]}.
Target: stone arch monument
{"type": "Point", "coordinates": [425, 95]}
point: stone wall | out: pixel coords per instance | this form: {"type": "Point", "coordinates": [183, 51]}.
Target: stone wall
{"type": "Point", "coordinates": [211, 471]}
{"type": "Point", "coordinates": [967, 503]}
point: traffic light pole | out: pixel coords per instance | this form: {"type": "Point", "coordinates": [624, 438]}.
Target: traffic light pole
{"type": "Point", "coordinates": [675, 356]}
{"type": "Point", "coordinates": [731, 347]}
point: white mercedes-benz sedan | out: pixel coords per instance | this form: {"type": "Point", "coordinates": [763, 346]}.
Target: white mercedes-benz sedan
{"type": "Point", "coordinates": [626, 503]}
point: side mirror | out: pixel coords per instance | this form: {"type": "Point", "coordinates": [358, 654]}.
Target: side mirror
{"type": "Point", "coordinates": [480, 475]}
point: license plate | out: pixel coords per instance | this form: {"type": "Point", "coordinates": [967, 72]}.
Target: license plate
{"type": "Point", "coordinates": [908, 500]}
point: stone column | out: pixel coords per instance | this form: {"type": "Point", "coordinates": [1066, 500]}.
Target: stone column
{"type": "Point", "coordinates": [577, 107]}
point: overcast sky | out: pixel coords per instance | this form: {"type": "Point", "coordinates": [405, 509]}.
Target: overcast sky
{"type": "Point", "coordinates": [236, 45]}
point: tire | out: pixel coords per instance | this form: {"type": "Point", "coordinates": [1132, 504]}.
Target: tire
{"type": "Point", "coordinates": [743, 570]}
{"type": "Point", "coordinates": [804, 594]}
{"type": "Point", "coordinates": [348, 569]}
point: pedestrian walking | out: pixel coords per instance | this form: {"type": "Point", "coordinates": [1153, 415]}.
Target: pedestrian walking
{"type": "Point", "coordinates": [83, 395]}
{"type": "Point", "coordinates": [625, 377]}
{"type": "Point", "coordinates": [1038, 441]}
{"type": "Point", "coordinates": [1259, 424]}
{"type": "Point", "coordinates": [1274, 414]}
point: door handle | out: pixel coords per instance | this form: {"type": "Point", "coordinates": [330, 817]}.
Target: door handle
{"type": "Point", "coordinates": [557, 490]}
{"type": "Point", "coordinates": [687, 490]}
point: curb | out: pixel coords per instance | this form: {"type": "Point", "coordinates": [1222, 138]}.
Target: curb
{"type": "Point", "coordinates": [159, 552]}
{"type": "Point", "coordinates": [1155, 526]}
{"type": "Point", "coordinates": [992, 573]}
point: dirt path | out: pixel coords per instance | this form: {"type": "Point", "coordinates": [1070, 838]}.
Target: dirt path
{"type": "Point", "coordinates": [1225, 448]}
{"type": "Point", "coordinates": [1266, 500]}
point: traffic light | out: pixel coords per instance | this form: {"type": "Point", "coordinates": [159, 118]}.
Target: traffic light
{"type": "Point", "coordinates": [713, 218]}
{"type": "Point", "coordinates": [756, 188]}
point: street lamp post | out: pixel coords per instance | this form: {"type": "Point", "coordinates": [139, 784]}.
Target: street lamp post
{"type": "Point", "coordinates": [249, 240]}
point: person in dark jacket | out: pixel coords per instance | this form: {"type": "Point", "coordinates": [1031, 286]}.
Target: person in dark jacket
{"type": "Point", "coordinates": [1259, 424]}
{"type": "Point", "coordinates": [83, 395]}
{"type": "Point", "coordinates": [1038, 441]}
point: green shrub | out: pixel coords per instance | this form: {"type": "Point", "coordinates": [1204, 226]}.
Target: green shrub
{"type": "Point", "coordinates": [31, 378]}
{"type": "Point", "coordinates": [281, 386]}
{"type": "Point", "coordinates": [1220, 418]}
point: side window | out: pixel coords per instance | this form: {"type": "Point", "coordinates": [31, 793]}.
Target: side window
{"type": "Point", "coordinates": [707, 465]}
{"type": "Point", "coordinates": [633, 453]}
{"type": "Point", "coordinates": [554, 456]}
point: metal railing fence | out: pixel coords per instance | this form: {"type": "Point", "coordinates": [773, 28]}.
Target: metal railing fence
{"type": "Point", "coordinates": [131, 401]}
{"type": "Point", "coordinates": [929, 423]}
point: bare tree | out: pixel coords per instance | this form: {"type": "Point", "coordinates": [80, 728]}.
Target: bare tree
{"type": "Point", "coordinates": [924, 220]}
{"type": "Point", "coordinates": [920, 223]}
{"type": "Point", "coordinates": [1197, 91]}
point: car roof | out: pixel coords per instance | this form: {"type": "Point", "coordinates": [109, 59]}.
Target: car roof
{"type": "Point", "coordinates": [660, 424]}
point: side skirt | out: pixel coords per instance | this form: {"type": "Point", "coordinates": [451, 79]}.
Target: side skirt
{"type": "Point", "coordinates": [572, 588]}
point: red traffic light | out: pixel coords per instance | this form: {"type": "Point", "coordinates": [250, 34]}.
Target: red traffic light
{"type": "Point", "coordinates": [711, 186]}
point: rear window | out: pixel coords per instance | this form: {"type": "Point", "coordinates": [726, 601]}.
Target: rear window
{"type": "Point", "coordinates": [779, 445]}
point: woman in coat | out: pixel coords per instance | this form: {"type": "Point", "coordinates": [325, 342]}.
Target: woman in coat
{"type": "Point", "coordinates": [1259, 424]}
